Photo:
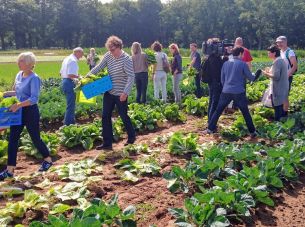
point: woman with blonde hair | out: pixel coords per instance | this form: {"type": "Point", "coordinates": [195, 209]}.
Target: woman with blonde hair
{"type": "Point", "coordinates": [27, 89]}
{"type": "Point", "coordinates": [140, 66]}
{"type": "Point", "coordinates": [91, 59]}
{"type": "Point", "coordinates": [176, 69]}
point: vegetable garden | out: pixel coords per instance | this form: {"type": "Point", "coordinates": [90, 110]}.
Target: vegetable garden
{"type": "Point", "coordinates": [173, 176]}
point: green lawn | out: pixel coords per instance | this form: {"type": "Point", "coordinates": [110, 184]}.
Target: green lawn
{"type": "Point", "coordinates": [48, 69]}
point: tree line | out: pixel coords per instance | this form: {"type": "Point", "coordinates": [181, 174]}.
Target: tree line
{"type": "Point", "coordinates": [88, 23]}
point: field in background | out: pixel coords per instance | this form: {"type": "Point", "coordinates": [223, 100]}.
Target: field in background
{"type": "Point", "coordinates": [49, 61]}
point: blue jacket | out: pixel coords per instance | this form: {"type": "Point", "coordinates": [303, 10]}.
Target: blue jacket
{"type": "Point", "coordinates": [234, 74]}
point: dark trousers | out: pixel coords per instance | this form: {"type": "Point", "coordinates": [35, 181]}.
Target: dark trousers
{"type": "Point", "coordinates": [290, 79]}
{"type": "Point", "coordinates": [109, 102]}
{"type": "Point", "coordinates": [199, 90]}
{"type": "Point", "coordinates": [141, 85]}
{"type": "Point", "coordinates": [214, 94]}
{"type": "Point", "coordinates": [30, 119]}
{"type": "Point", "coordinates": [240, 101]}
{"type": "Point", "coordinates": [278, 112]}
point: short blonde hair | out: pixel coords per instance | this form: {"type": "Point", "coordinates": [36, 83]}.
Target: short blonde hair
{"type": "Point", "coordinates": [114, 41]}
{"type": "Point", "coordinates": [136, 48]}
{"type": "Point", "coordinates": [28, 57]}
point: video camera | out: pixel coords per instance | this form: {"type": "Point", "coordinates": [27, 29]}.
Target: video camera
{"type": "Point", "coordinates": [215, 46]}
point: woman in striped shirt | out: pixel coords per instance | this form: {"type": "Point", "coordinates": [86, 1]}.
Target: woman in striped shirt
{"type": "Point", "coordinates": [120, 69]}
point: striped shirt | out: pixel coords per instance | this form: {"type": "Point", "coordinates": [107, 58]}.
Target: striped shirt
{"type": "Point", "coordinates": [120, 71]}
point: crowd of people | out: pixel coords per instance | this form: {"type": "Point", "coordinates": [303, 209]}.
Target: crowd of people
{"type": "Point", "coordinates": [225, 75]}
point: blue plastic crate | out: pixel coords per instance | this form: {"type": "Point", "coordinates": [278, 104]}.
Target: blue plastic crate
{"type": "Point", "coordinates": [97, 87]}
{"type": "Point", "coordinates": [8, 118]}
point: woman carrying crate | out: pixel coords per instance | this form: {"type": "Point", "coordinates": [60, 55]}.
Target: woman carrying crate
{"type": "Point", "coordinates": [26, 89]}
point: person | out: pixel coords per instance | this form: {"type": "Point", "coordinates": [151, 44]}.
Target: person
{"type": "Point", "coordinates": [91, 58]}
{"type": "Point", "coordinates": [140, 66]}
{"type": "Point", "coordinates": [233, 78]}
{"type": "Point", "coordinates": [120, 69]}
{"type": "Point", "coordinates": [69, 74]}
{"type": "Point", "coordinates": [159, 75]}
{"type": "Point", "coordinates": [290, 58]}
{"type": "Point", "coordinates": [212, 70]}
{"type": "Point", "coordinates": [27, 89]}
{"type": "Point", "coordinates": [279, 83]}
{"type": "Point", "coordinates": [247, 55]}
{"type": "Point", "coordinates": [176, 70]}
{"type": "Point", "coordinates": [196, 63]}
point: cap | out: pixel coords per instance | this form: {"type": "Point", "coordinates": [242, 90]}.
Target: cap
{"type": "Point", "coordinates": [281, 39]}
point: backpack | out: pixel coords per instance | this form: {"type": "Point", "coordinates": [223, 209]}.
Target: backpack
{"type": "Point", "coordinates": [290, 64]}
{"type": "Point", "coordinates": [165, 64]}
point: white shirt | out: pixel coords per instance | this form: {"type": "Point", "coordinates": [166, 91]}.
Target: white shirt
{"type": "Point", "coordinates": [284, 56]}
{"type": "Point", "coordinates": [159, 57]}
{"type": "Point", "coordinates": [69, 66]}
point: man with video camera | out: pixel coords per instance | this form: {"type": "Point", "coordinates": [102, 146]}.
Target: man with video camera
{"type": "Point", "coordinates": [234, 74]}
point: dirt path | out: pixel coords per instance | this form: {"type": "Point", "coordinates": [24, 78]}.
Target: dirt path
{"type": "Point", "coordinates": [150, 194]}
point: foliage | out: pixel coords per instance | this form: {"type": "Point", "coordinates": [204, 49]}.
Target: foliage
{"type": "Point", "coordinates": [83, 135]}
{"type": "Point", "coordinates": [3, 151]}
{"type": "Point", "coordinates": [172, 113]}
{"type": "Point", "coordinates": [7, 102]}
{"type": "Point", "coordinates": [99, 213]}
{"type": "Point", "coordinates": [194, 106]}
{"type": "Point", "coordinates": [50, 139]}
{"type": "Point", "coordinates": [180, 144]}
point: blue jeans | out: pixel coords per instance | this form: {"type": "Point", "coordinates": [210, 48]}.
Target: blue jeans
{"type": "Point", "coordinates": [30, 119]}
{"type": "Point", "coordinates": [214, 94]}
{"type": "Point", "coordinates": [141, 85]}
{"type": "Point", "coordinates": [109, 102]}
{"type": "Point", "coordinates": [199, 90]}
{"type": "Point", "coordinates": [68, 89]}
{"type": "Point", "coordinates": [240, 101]}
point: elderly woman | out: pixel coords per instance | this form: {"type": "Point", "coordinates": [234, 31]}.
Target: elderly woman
{"type": "Point", "coordinates": [140, 66]}
{"type": "Point", "coordinates": [27, 90]}
{"type": "Point", "coordinates": [279, 83]}
{"type": "Point", "coordinates": [91, 59]}
{"type": "Point", "coordinates": [159, 75]}
{"type": "Point", "coordinates": [176, 68]}
{"type": "Point", "coordinates": [120, 69]}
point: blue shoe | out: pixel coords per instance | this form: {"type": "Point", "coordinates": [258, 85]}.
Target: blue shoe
{"type": "Point", "coordinates": [5, 174]}
{"type": "Point", "coordinates": [45, 166]}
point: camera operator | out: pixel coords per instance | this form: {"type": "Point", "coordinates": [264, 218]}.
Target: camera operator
{"type": "Point", "coordinates": [211, 70]}
{"type": "Point", "coordinates": [233, 78]}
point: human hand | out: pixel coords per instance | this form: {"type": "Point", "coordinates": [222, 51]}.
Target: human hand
{"type": "Point", "coordinates": [123, 97]}
{"type": "Point", "coordinates": [15, 107]}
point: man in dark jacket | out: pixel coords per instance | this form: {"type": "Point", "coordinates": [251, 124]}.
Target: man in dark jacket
{"type": "Point", "coordinates": [234, 74]}
{"type": "Point", "coordinates": [212, 73]}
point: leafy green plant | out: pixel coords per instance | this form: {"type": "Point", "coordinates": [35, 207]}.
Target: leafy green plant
{"type": "Point", "coordinates": [180, 144]}
{"type": "Point", "coordinates": [77, 171]}
{"type": "Point", "coordinates": [172, 113]}
{"type": "Point", "coordinates": [99, 213]}
{"type": "Point", "coordinates": [3, 152]}
{"type": "Point", "coordinates": [84, 135]}
{"type": "Point", "coordinates": [194, 106]}
{"type": "Point", "coordinates": [50, 139]}
{"type": "Point", "coordinates": [144, 165]}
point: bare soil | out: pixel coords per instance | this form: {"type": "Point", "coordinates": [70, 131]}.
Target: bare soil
{"type": "Point", "coordinates": [150, 194]}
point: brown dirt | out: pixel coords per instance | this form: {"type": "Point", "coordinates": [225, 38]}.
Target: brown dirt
{"type": "Point", "coordinates": [150, 194]}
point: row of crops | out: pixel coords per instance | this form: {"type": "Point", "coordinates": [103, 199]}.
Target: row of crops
{"type": "Point", "coordinates": [222, 182]}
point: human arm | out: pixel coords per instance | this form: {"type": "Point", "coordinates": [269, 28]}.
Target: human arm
{"type": "Point", "coordinates": [128, 68]}
{"type": "Point", "coordinates": [35, 85]}
{"type": "Point", "coordinates": [294, 63]}
{"type": "Point", "coordinates": [99, 67]}
{"type": "Point", "coordinates": [247, 72]}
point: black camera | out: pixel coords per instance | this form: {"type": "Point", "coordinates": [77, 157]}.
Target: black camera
{"type": "Point", "coordinates": [215, 46]}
